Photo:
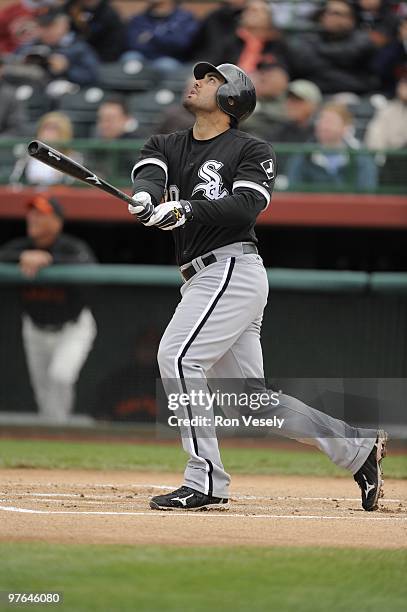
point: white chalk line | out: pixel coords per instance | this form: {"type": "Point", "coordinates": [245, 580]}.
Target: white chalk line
{"type": "Point", "coordinates": [236, 496]}
{"type": "Point", "coordinates": [95, 485]}
{"type": "Point", "coordinates": [223, 514]}
{"type": "Point", "coordinates": [89, 502]}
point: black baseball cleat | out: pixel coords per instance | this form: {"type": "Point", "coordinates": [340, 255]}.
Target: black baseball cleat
{"type": "Point", "coordinates": [186, 498]}
{"type": "Point", "coordinates": [369, 477]}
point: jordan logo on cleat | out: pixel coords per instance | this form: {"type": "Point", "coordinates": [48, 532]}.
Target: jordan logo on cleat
{"type": "Point", "coordinates": [369, 487]}
{"type": "Point", "coordinates": [183, 500]}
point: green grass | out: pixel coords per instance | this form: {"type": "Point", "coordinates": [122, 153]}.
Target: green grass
{"type": "Point", "coordinates": [156, 457]}
{"type": "Point", "coordinates": [150, 579]}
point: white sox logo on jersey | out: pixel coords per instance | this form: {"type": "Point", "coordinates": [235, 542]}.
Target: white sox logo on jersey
{"type": "Point", "coordinates": [212, 188]}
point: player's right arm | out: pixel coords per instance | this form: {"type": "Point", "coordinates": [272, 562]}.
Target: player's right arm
{"type": "Point", "coordinates": [149, 177]}
{"type": "Point", "coordinates": [150, 172]}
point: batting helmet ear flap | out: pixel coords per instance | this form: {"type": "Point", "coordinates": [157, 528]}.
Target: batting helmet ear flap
{"type": "Point", "coordinates": [237, 96]}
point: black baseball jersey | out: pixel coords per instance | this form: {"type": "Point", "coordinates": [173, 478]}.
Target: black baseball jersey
{"type": "Point", "coordinates": [228, 179]}
{"type": "Point", "coordinates": [51, 304]}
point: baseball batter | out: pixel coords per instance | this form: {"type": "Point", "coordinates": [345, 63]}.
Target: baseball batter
{"type": "Point", "coordinates": [207, 185]}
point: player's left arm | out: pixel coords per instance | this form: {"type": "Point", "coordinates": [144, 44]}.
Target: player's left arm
{"type": "Point", "coordinates": [251, 193]}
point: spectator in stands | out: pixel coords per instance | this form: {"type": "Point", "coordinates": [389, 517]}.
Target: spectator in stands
{"type": "Point", "coordinates": [17, 23]}
{"type": "Point", "coordinates": [332, 167]}
{"type": "Point", "coordinates": [391, 64]}
{"type": "Point", "coordinates": [58, 327]}
{"type": "Point", "coordinates": [337, 57]}
{"type": "Point", "coordinates": [381, 24]}
{"type": "Point", "coordinates": [58, 50]}
{"type": "Point", "coordinates": [388, 128]}
{"type": "Point", "coordinates": [215, 30]}
{"type": "Point", "coordinates": [12, 115]}
{"type": "Point", "coordinates": [377, 18]}
{"type": "Point", "coordinates": [53, 127]}
{"type": "Point", "coordinates": [256, 39]}
{"type": "Point", "coordinates": [303, 101]}
{"type": "Point", "coordinates": [100, 25]}
{"type": "Point", "coordinates": [162, 34]}
{"type": "Point", "coordinates": [271, 83]}
{"type": "Point", "coordinates": [114, 123]}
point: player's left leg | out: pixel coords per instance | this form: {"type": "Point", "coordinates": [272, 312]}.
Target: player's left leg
{"type": "Point", "coordinates": [358, 450]}
{"type": "Point", "coordinates": [74, 344]}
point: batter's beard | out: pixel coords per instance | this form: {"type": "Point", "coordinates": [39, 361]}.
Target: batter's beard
{"type": "Point", "coordinates": [188, 105]}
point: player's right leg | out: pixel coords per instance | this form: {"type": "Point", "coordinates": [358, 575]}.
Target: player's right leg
{"type": "Point", "coordinates": [218, 304]}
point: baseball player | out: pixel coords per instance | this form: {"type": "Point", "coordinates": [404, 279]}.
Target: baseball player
{"type": "Point", "coordinates": [58, 328]}
{"type": "Point", "coordinates": [207, 185]}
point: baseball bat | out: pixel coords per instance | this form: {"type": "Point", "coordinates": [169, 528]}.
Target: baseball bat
{"type": "Point", "coordinates": [46, 154]}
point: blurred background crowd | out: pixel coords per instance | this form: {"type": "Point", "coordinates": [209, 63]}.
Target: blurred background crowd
{"type": "Point", "coordinates": [330, 73]}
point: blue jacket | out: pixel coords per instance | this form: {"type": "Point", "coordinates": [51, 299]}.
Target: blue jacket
{"type": "Point", "coordinates": [315, 169]}
{"type": "Point", "coordinates": [156, 37]}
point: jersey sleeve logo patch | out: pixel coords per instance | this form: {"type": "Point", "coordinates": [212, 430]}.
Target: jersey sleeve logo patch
{"type": "Point", "coordinates": [212, 187]}
{"type": "Point", "coordinates": [268, 167]}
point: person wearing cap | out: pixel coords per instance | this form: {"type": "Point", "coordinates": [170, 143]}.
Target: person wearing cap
{"type": "Point", "coordinates": [302, 103]}
{"type": "Point", "coordinates": [207, 185]}
{"type": "Point", "coordinates": [58, 328]}
{"type": "Point", "coordinates": [59, 51]}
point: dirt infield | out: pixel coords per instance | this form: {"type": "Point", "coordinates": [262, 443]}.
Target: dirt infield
{"type": "Point", "coordinates": [70, 506]}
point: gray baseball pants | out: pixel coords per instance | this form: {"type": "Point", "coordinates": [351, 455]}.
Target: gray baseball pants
{"type": "Point", "coordinates": [215, 334]}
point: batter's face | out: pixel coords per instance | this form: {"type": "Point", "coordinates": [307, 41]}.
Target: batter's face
{"type": "Point", "coordinates": [202, 96]}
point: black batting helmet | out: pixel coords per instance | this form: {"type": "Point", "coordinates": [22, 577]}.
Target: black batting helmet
{"type": "Point", "coordinates": [236, 97]}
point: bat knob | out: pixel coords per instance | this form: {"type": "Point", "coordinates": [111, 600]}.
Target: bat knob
{"type": "Point", "coordinates": [33, 147]}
